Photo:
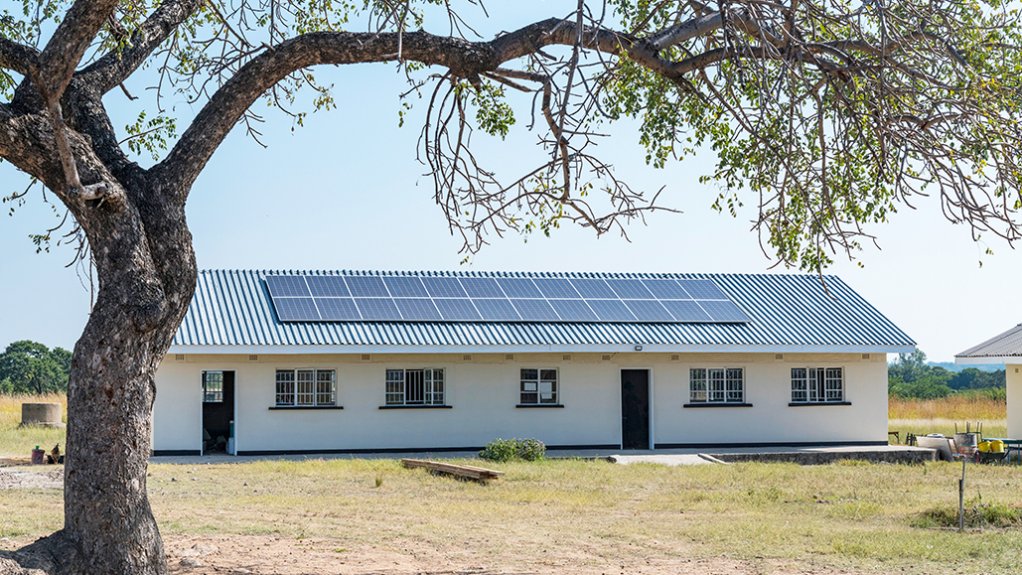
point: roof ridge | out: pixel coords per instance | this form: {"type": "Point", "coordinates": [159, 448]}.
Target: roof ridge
{"type": "Point", "coordinates": [509, 273]}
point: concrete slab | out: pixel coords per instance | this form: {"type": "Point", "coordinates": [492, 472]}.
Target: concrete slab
{"type": "Point", "coordinates": [822, 454]}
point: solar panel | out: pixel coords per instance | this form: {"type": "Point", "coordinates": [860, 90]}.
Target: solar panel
{"type": "Point", "coordinates": [519, 288]}
{"type": "Point", "coordinates": [296, 309]}
{"type": "Point", "coordinates": [366, 286]}
{"type": "Point", "coordinates": [534, 310]}
{"type": "Point", "coordinates": [666, 289]}
{"type": "Point", "coordinates": [496, 310]}
{"type": "Point", "coordinates": [337, 309]}
{"type": "Point", "coordinates": [417, 309]}
{"type": "Point", "coordinates": [611, 310]}
{"type": "Point", "coordinates": [629, 289]}
{"type": "Point", "coordinates": [724, 311]}
{"type": "Point", "coordinates": [457, 309]}
{"type": "Point", "coordinates": [443, 287]}
{"type": "Point", "coordinates": [648, 310]}
{"type": "Point", "coordinates": [593, 288]}
{"type": "Point", "coordinates": [327, 286]}
{"type": "Point", "coordinates": [481, 287]}
{"type": "Point", "coordinates": [431, 298]}
{"type": "Point", "coordinates": [702, 289]}
{"type": "Point", "coordinates": [556, 288]}
{"type": "Point", "coordinates": [573, 310]}
{"type": "Point", "coordinates": [405, 286]}
{"type": "Point", "coordinates": [287, 286]}
{"type": "Point", "coordinates": [686, 311]}
{"type": "Point", "coordinates": [380, 309]}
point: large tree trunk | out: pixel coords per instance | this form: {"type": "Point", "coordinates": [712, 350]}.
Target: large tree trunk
{"type": "Point", "coordinates": [107, 517]}
{"type": "Point", "coordinates": [147, 275]}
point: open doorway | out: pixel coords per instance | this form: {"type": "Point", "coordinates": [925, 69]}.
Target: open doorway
{"type": "Point", "coordinates": [217, 412]}
{"type": "Point", "coordinates": [635, 409]}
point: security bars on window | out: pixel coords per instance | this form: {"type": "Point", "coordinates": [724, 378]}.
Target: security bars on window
{"type": "Point", "coordinates": [539, 387]}
{"type": "Point", "coordinates": [717, 385]}
{"type": "Point", "coordinates": [306, 387]}
{"type": "Point", "coordinates": [213, 387]}
{"type": "Point", "coordinates": [817, 385]}
{"type": "Point", "coordinates": [415, 387]}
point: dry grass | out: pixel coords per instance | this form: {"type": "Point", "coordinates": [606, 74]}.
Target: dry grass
{"type": "Point", "coordinates": [955, 407]}
{"type": "Point", "coordinates": [19, 441]}
{"type": "Point", "coordinates": [592, 515]}
{"type": "Point", "coordinates": [922, 416]}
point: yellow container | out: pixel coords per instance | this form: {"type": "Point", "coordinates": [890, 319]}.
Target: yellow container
{"type": "Point", "coordinates": [993, 446]}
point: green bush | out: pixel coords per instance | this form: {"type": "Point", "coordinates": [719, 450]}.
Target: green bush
{"type": "Point", "coordinates": [531, 449]}
{"type": "Point", "coordinates": [503, 450]}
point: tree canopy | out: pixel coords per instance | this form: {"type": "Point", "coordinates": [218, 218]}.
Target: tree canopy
{"type": "Point", "coordinates": [825, 117]}
{"type": "Point", "coordinates": [31, 367]}
{"type": "Point", "coordinates": [910, 376]}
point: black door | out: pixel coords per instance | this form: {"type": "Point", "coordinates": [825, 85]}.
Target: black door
{"type": "Point", "coordinates": [634, 409]}
{"type": "Point", "coordinates": [217, 410]}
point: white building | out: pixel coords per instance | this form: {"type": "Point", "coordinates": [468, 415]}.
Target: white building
{"type": "Point", "coordinates": [349, 362]}
{"type": "Point", "coordinates": [1005, 348]}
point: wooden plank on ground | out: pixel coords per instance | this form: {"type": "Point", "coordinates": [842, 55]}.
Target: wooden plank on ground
{"type": "Point", "coordinates": [466, 471]}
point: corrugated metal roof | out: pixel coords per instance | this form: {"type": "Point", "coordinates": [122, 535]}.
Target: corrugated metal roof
{"type": "Point", "coordinates": [231, 308]}
{"type": "Point", "coordinates": [1007, 344]}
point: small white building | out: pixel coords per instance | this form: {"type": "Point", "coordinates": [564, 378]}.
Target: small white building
{"type": "Point", "coordinates": [351, 362]}
{"type": "Point", "coordinates": [1004, 348]}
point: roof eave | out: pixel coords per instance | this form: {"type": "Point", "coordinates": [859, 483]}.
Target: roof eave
{"type": "Point", "coordinates": [555, 348]}
{"type": "Point", "coordinates": [987, 359]}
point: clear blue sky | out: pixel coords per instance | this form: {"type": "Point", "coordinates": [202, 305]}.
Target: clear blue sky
{"type": "Point", "coordinates": [345, 191]}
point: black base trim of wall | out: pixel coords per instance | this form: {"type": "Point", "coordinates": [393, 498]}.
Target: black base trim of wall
{"type": "Point", "coordinates": [819, 403]}
{"type": "Point", "coordinates": [772, 444]}
{"type": "Point", "coordinates": [170, 452]}
{"type": "Point", "coordinates": [407, 450]}
{"type": "Point", "coordinates": [539, 406]}
{"type": "Point", "coordinates": [303, 407]}
{"type": "Point", "coordinates": [717, 405]}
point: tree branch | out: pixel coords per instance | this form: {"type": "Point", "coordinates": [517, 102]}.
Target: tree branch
{"type": "Point", "coordinates": [18, 57]}
{"type": "Point", "coordinates": [463, 58]}
{"type": "Point", "coordinates": [115, 66]}
{"type": "Point", "coordinates": [60, 58]}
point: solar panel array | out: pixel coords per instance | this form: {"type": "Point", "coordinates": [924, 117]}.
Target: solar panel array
{"type": "Point", "coordinates": [423, 298]}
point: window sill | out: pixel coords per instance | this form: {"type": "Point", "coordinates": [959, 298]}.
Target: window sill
{"type": "Point", "coordinates": [818, 403]}
{"type": "Point", "coordinates": [303, 407]}
{"type": "Point", "coordinates": [415, 407]}
{"type": "Point", "coordinates": [707, 404]}
{"type": "Point", "coordinates": [540, 406]}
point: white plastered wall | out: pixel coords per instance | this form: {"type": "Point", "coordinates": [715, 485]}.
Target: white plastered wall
{"type": "Point", "coordinates": [771, 419]}
{"type": "Point", "coordinates": [1013, 373]}
{"type": "Point", "coordinates": [483, 392]}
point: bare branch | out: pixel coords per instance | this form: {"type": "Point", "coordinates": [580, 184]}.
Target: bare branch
{"type": "Point", "coordinates": [64, 51]}
{"type": "Point", "coordinates": [20, 58]}
{"type": "Point", "coordinates": [114, 67]}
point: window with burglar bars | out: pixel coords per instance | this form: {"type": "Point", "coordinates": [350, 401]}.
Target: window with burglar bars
{"type": "Point", "coordinates": [213, 387]}
{"type": "Point", "coordinates": [415, 387]}
{"type": "Point", "coordinates": [817, 384]}
{"type": "Point", "coordinates": [306, 387]}
{"type": "Point", "coordinates": [539, 387]}
{"type": "Point", "coordinates": [716, 385]}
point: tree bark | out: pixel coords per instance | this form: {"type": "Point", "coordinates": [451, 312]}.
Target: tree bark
{"type": "Point", "coordinates": [147, 276]}
{"type": "Point", "coordinates": [147, 273]}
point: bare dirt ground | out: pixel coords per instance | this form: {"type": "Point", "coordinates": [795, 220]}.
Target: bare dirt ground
{"type": "Point", "coordinates": [266, 555]}
{"type": "Point", "coordinates": [36, 477]}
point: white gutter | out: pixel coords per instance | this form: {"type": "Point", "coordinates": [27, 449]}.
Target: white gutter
{"type": "Point", "coordinates": [468, 349]}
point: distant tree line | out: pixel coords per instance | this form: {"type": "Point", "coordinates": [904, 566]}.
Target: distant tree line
{"type": "Point", "coordinates": [31, 367]}
{"type": "Point", "coordinates": [910, 377]}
